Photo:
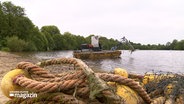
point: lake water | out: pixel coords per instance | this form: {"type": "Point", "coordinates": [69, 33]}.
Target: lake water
{"type": "Point", "coordinates": [140, 61]}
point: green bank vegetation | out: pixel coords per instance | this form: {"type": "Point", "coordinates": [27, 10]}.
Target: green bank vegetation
{"type": "Point", "coordinates": [18, 33]}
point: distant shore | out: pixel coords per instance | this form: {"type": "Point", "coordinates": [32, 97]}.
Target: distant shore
{"type": "Point", "coordinates": [8, 62]}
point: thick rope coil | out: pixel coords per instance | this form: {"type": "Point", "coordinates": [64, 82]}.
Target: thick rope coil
{"type": "Point", "coordinates": [47, 87]}
{"type": "Point", "coordinates": [128, 82]}
{"type": "Point", "coordinates": [92, 78]}
{"type": "Point", "coordinates": [159, 100]}
{"type": "Point", "coordinates": [65, 76]}
{"type": "Point", "coordinates": [95, 81]}
{"type": "Point", "coordinates": [60, 61]}
{"type": "Point", "coordinates": [49, 98]}
{"type": "Point", "coordinates": [34, 69]}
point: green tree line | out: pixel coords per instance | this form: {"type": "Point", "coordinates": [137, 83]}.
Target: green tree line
{"type": "Point", "coordinates": [18, 33]}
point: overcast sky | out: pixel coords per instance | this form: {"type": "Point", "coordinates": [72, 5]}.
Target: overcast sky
{"type": "Point", "coordinates": [140, 21]}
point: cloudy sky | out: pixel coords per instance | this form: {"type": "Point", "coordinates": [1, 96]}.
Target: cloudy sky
{"type": "Point", "coordinates": [140, 21]}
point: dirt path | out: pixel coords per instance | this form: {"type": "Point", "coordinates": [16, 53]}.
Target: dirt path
{"type": "Point", "coordinates": [9, 61]}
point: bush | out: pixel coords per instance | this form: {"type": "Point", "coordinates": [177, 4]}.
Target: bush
{"type": "Point", "coordinates": [5, 49]}
{"type": "Point", "coordinates": [16, 44]}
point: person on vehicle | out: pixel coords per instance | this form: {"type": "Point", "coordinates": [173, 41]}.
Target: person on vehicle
{"type": "Point", "coordinates": [95, 43]}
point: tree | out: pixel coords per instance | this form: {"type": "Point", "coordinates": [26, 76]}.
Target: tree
{"type": "Point", "coordinates": [10, 9]}
{"type": "Point", "coordinates": [52, 30]}
{"type": "Point", "coordinates": [168, 46]}
{"type": "Point", "coordinates": [173, 44]}
{"type": "Point", "coordinates": [3, 24]}
{"type": "Point", "coordinates": [49, 32]}
{"type": "Point", "coordinates": [80, 40]}
{"type": "Point", "coordinates": [179, 45]}
{"type": "Point", "coordinates": [50, 40]}
{"type": "Point", "coordinates": [59, 42]}
{"type": "Point", "coordinates": [25, 28]}
{"type": "Point", "coordinates": [70, 41]}
{"type": "Point", "coordinates": [38, 39]}
{"type": "Point", "coordinates": [14, 23]}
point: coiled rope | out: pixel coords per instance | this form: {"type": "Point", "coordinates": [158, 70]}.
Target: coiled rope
{"type": "Point", "coordinates": [37, 86]}
{"type": "Point", "coordinates": [86, 81]}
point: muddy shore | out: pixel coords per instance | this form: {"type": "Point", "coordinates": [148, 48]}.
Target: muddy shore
{"type": "Point", "coordinates": [8, 62]}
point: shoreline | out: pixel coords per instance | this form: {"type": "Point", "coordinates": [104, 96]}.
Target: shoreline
{"type": "Point", "coordinates": [8, 61]}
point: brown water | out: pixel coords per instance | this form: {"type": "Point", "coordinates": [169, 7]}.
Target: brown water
{"type": "Point", "coordinates": [140, 61]}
